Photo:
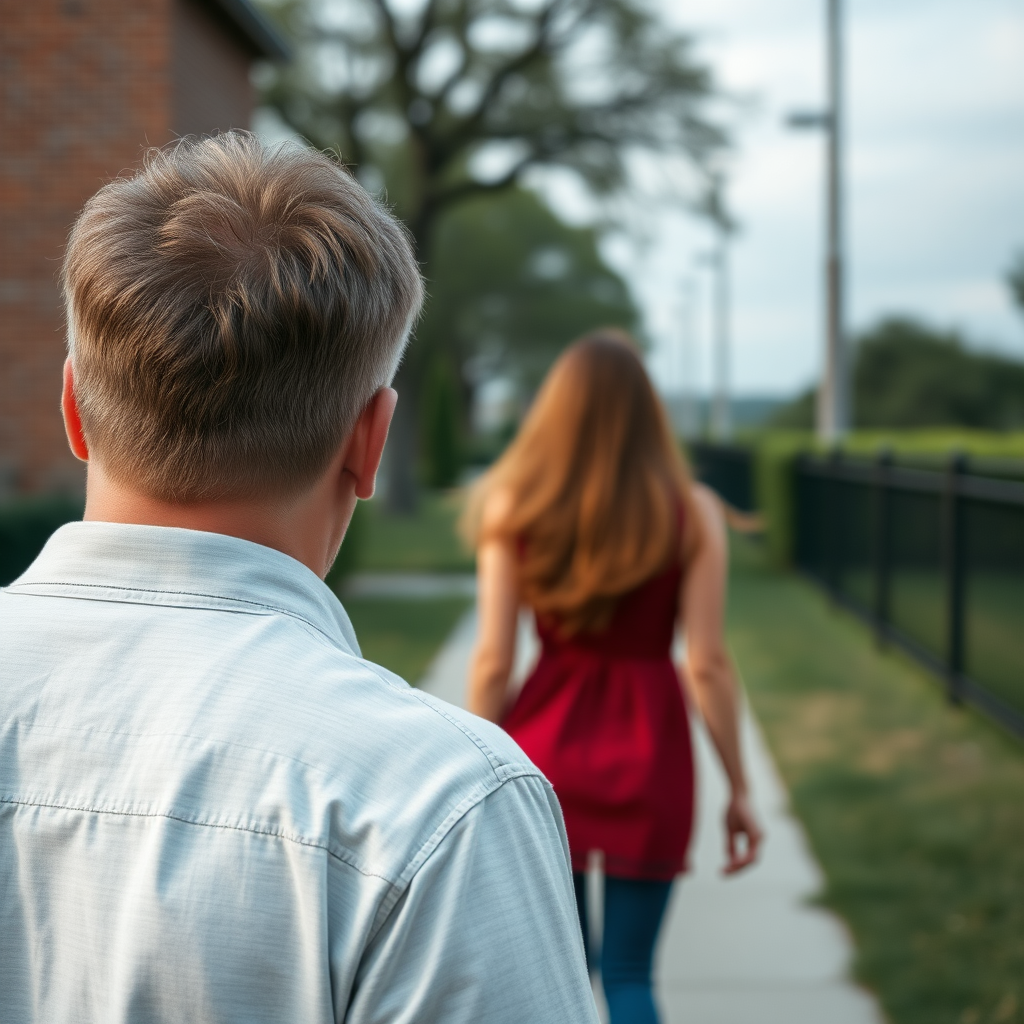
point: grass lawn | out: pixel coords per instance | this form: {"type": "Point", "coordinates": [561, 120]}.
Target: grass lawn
{"type": "Point", "coordinates": [424, 542]}
{"type": "Point", "coordinates": [401, 634]}
{"type": "Point", "coordinates": [915, 810]}
{"type": "Point", "coordinates": [995, 633]}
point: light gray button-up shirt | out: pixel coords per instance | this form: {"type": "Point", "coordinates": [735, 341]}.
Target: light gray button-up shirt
{"type": "Point", "coordinates": [213, 809]}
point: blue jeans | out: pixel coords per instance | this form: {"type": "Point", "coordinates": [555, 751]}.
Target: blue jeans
{"type": "Point", "coordinates": [633, 911]}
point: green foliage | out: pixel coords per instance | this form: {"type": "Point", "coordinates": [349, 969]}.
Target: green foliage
{"type": "Point", "coordinates": [913, 808]}
{"type": "Point", "coordinates": [936, 444]}
{"type": "Point", "coordinates": [906, 374]}
{"type": "Point", "coordinates": [436, 103]}
{"type": "Point", "coordinates": [441, 408]}
{"type": "Point", "coordinates": [1015, 280]}
{"type": "Point", "coordinates": [774, 455]}
{"type": "Point", "coordinates": [796, 415]}
{"type": "Point", "coordinates": [26, 525]}
{"type": "Point", "coordinates": [411, 95]}
{"type": "Point", "coordinates": [485, 448]}
{"type": "Point", "coordinates": [511, 285]}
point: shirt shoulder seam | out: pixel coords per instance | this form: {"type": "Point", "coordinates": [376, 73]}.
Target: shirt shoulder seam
{"type": "Point", "coordinates": [457, 813]}
{"type": "Point", "coordinates": [139, 590]}
{"type": "Point", "coordinates": [269, 832]}
{"type": "Point", "coordinates": [499, 766]}
{"type": "Point", "coordinates": [136, 595]}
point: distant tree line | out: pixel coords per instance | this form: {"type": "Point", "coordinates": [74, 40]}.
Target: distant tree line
{"type": "Point", "coordinates": [1015, 280]}
{"type": "Point", "coordinates": [907, 374]}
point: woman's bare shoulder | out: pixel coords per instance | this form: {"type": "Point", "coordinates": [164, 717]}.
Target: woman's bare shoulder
{"type": "Point", "coordinates": [720, 514]}
{"type": "Point", "coordinates": [708, 506]}
{"type": "Point", "coordinates": [496, 512]}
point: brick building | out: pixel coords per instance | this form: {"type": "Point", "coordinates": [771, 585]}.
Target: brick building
{"type": "Point", "coordinates": [85, 85]}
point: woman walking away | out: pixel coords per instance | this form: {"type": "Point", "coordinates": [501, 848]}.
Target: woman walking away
{"type": "Point", "coordinates": [591, 521]}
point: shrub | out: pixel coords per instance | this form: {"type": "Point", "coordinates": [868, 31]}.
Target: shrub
{"type": "Point", "coordinates": [26, 525]}
{"type": "Point", "coordinates": [775, 454]}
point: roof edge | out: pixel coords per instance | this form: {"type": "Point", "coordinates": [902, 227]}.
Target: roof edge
{"type": "Point", "coordinates": [257, 28]}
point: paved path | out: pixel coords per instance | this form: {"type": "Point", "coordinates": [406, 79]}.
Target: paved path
{"type": "Point", "coordinates": [747, 950]}
{"type": "Point", "coordinates": [424, 585]}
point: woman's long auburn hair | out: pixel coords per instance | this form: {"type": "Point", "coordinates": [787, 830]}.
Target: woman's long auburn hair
{"type": "Point", "coordinates": [591, 489]}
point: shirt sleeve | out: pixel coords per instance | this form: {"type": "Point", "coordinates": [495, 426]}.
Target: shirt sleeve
{"type": "Point", "coordinates": [487, 931]}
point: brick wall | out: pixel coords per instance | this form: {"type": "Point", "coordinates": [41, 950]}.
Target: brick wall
{"type": "Point", "coordinates": [210, 72]}
{"type": "Point", "coordinates": [85, 85]}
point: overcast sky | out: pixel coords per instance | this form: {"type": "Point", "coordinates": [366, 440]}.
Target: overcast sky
{"type": "Point", "coordinates": [935, 179]}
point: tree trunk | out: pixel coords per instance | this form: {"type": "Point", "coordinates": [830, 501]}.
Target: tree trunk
{"type": "Point", "coordinates": [401, 455]}
{"type": "Point", "coordinates": [401, 486]}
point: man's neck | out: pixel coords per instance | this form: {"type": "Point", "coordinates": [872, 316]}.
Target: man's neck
{"type": "Point", "coordinates": [308, 527]}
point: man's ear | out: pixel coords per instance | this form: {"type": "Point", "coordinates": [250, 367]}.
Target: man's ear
{"type": "Point", "coordinates": [72, 420]}
{"type": "Point", "coordinates": [366, 442]}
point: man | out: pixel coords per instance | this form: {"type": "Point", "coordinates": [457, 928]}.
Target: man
{"type": "Point", "coordinates": [212, 808]}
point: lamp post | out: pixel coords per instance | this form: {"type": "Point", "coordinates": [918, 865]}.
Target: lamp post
{"type": "Point", "coordinates": [721, 411]}
{"type": "Point", "coordinates": [833, 409]}
{"type": "Point", "coordinates": [687, 368]}
{"type": "Point", "coordinates": [718, 260]}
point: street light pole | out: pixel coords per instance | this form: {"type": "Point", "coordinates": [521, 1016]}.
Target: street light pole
{"type": "Point", "coordinates": [687, 367]}
{"type": "Point", "coordinates": [833, 398]}
{"type": "Point", "coordinates": [721, 413]}
{"type": "Point", "coordinates": [833, 408]}
{"type": "Point", "coordinates": [718, 260]}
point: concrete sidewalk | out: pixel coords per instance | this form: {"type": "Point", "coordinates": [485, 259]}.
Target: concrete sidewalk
{"type": "Point", "coordinates": [410, 585]}
{"type": "Point", "coordinates": [740, 950]}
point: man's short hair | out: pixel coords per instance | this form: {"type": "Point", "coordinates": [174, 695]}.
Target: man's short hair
{"type": "Point", "coordinates": [231, 310]}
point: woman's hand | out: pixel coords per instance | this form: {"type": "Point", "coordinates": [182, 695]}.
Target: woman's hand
{"type": "Point", "coordinates": [740, 822]}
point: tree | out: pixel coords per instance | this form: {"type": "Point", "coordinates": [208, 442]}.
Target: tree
{"type": "Point", "coordinates": [426, 105]}
{"type": "Point", "coordinates": [441, 427]}
{"type": "Point", "coordinates": [1015, 279]}
{"type": "Point", "coordinates": [906, 374]}
{"type": "Point", "coordinates": [513, 285]}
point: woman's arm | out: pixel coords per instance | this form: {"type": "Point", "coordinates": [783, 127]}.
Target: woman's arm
{"type": "Point", "coordinates": [710, 670]}
{"type": "Point", "coordinates": [498, 613]}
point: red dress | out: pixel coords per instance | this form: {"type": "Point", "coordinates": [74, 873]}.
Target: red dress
{"type": "Point", "coordinates": [604, 718]}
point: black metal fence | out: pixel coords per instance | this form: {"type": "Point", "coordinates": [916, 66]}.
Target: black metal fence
{"type": "Point", "coordinates": [727, 469]}
{"type": "Point", "coordinates": [933, 558]}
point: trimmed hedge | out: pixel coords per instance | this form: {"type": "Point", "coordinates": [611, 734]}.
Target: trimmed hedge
{"type": "Point", "coordinates": [26, 525]}
{"type": "Point", "coordinates": [775, 452]}
{"type": "Point", "coordinates": [774, 457]}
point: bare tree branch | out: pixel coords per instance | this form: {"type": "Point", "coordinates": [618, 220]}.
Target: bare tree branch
{"type": "Point", "coordinates": [656, 101]}
{"type": "Point", "coordinates": [472, 186]}
{"type": "Point", "coordinates": [473, 121]}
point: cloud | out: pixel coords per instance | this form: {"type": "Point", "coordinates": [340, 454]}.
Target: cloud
{"type": "Point", "coordinates": [935, 178]}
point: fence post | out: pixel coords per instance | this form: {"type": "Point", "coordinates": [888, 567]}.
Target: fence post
{"type": "Point", "coordinates": [953, 558]}
{"type": "Point", "coordinates": [882, 545]}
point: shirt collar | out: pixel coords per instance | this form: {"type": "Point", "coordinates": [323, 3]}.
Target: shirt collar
{"type": "Point", "coordinates": [172, 565]}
